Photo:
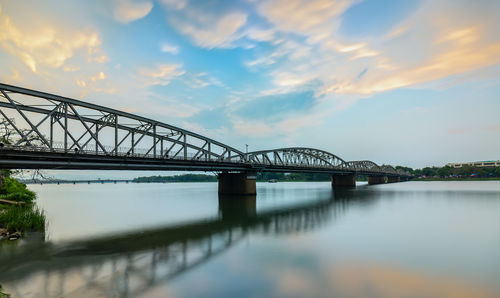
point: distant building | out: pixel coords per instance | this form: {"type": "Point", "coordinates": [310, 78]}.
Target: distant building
{"type": "Point", "coordinates": [489, 163]}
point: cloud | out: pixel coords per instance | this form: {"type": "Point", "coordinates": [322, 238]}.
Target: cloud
{"type": "Point", "coordinates": [97, 83]}
{"type": "Point", "coordinates": [425, 47]}
{"type": "Point", "coordinates": [175, 4]}
{"type": "Point", "coordinates": [100, 76]}
{"type": "Point", "coordinates": [493, 128]}
{"type": "Point", "coordinates": [126, 11]}
{"type": "Point", "coordinates": [316, 18]}
{"type": "Point", "coordinates": [201, 80]}
{"type": "Point", "coordinates": [168, 48]}
{"type": "Point", "coordinates": [456, 131]}
{"type": "Point", "coordinates": [215, 32]}
{"type": "Point", "coordinates": [259, 34]}
{"type": "Point", "coordinates": [46, 46]}
{"type": "Point", "coordinates": [290, 125]}
{"type": "Point", "coordinates": [162, 74]}
{"type": "Point", "coordinates": [207, 29]}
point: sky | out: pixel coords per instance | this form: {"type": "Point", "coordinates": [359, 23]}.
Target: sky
{"type": "Point", "coordinates": [414, 83]}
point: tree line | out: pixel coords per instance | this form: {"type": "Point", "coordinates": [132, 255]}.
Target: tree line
{"type": "Point", "coordinates": [447, 171]}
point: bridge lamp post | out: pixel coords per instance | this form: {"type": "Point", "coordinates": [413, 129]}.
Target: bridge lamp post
{"type": "Point", "coordinates": [247, 147]}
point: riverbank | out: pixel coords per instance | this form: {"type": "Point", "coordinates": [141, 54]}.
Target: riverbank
{"type": "Point", "coordinates": [459, 179]}
{"type": "Point", "coordinates": [2, 294]}
{"type": "Point", "coordinates": [18, 212]}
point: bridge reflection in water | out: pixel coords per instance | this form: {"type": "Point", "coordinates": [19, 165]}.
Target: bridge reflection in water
{"type": "Point", "coordinates": [131, 264]}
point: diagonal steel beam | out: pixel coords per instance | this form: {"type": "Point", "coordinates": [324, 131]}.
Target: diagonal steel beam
{"type": "Point", "coordinates": [39, 123]}
{"type": "Point", "coordinates": [25, 118]}
{"type": "Point", "coordinates": [13, 125]}
{"type": "Point", "coordinates": [70, 135]}
{"type": "Point", "coordinates": [86, 127]}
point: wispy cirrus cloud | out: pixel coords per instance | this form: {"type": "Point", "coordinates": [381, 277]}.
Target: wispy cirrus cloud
{"type": "Point", "coordinates": [206, 29]}
{"type": "Point", "coordinates": [161, 74]}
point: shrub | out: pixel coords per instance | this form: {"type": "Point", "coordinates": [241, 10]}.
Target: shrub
{"type": "Point", "coordinates": [15, 191]}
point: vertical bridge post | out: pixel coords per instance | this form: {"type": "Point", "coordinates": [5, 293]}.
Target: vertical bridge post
{"type": "Point", "coordinates": [348, 180]}
{"type": "Point", "coordinates": [240, 183]}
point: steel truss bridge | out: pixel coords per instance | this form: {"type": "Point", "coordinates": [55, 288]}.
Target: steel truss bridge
{"type": "Point", "coordinates": [54, 132]}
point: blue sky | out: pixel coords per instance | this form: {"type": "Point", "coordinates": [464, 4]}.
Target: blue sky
{"type": "Point", "coordinates": [401, 82]}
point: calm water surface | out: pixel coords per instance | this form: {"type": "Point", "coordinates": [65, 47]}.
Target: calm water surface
{"type": "Point", "coordinates": [412, 239]}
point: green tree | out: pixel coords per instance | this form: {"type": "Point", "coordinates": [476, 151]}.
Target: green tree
{"type": "Point", "coordinates": [445, 171]}
{"type": "Point", "coordinates": [429, 172]}
{"type": "Point", "coordinates": [465, 171]}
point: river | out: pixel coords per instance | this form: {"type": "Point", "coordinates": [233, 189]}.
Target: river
{"type": "Point", "coordinates": [409, 239]}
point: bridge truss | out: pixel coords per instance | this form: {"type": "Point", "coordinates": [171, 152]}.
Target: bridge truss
{"type": "Point", "coordinates": [53, 131]}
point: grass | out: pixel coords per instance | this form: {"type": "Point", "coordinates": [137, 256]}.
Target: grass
{"type": "Point", "coordinates": [22, 219]}
{"type": "Point", "coordinates": [19, 218]}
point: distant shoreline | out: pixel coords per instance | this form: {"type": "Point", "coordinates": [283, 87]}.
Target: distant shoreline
{"type": "Point", "coordinates": [459, 179]}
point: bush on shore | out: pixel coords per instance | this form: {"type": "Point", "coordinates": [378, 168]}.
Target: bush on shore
{"type": "Point", "coordinates": [23, 217]}
{"type": "Point", "coordinates": [13, 190]}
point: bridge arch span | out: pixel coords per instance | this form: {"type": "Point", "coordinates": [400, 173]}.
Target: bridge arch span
{"type": "Point", "coordinates": [296, 156]}
{"type": "Point", "coordinates": [363, 165]}
{"type": "Point", "coordinates": [389, 169]}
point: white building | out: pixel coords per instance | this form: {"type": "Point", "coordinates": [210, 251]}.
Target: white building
{"type": "Point", "coordinates": [489, 163]}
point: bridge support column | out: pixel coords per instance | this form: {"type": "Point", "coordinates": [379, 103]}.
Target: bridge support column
{"type": "Point", "coordinates": [344, 180]}
{"type": "Point", "coordinates": [243, 183]}
{"type": "Point", "coordinates": [393, 179]}
{"type": "Point", "coordinates": [377, 180]}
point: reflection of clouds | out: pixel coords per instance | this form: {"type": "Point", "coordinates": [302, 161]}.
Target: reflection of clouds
{"type": "Point", "coordinates": [297, 284]}
{"type": "Point", "coordinates": [369, 280]}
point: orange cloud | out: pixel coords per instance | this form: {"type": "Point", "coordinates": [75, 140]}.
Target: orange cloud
{"type": "Point", "coordinates": [161, 74]}
{"type": "Point", "coordinates": [46, 46]}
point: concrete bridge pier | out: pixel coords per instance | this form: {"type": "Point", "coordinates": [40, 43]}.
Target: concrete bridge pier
{"type": "Point", "coordinates": [348, 180]}
{"type": "Point", "coordinates": [377, 180]}
{"type": "Point", "coordinates": [393, 179]}
{"type": "Point", "coordinates": [239, 183]}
